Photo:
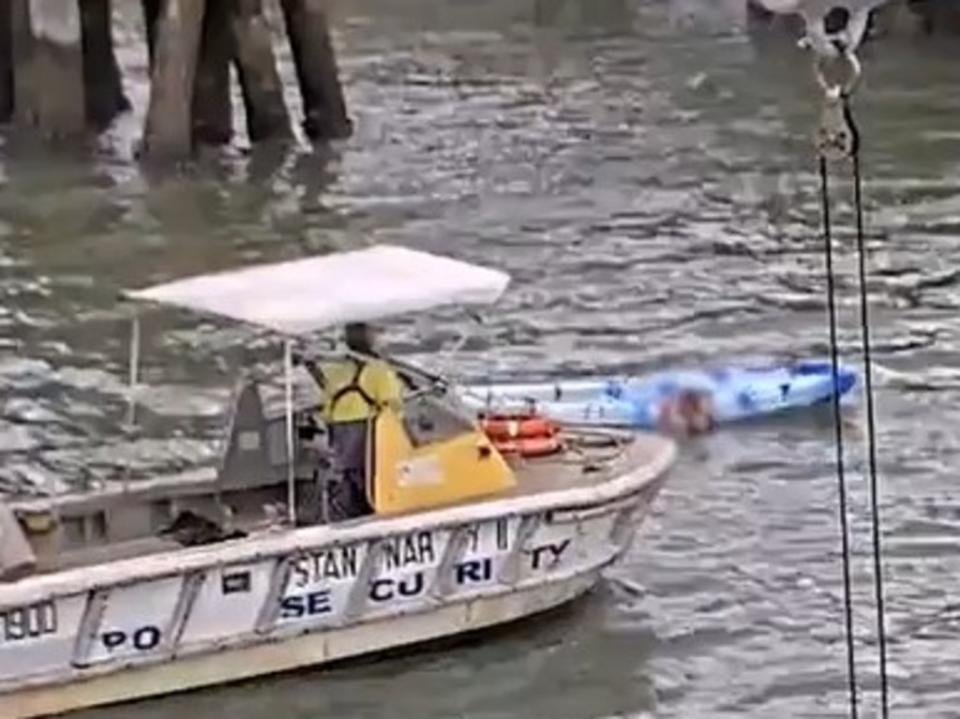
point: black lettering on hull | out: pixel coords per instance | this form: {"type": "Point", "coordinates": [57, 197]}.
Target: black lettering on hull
{"type": "Point", "coordinates": [412, 549]}
{"type": "Point", "coordinates": [313, 604]}
{"type": "Point", "coordinates": [548, 555]}
{"type": "Point", "coordinates": [503, 540]}
{"type": "Point", "coordinates": [142, 639]}
{"type": "Point", "coordinates": [474, 571]}
{"type": "Point", "coordinates": [30, 622]}
{"type": "Point", "coordinates": [386, 589]}
{"type": "Point", "coordinates": [333, 564]}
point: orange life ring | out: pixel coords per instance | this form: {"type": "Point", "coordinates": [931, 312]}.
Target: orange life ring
{"type": "Point", "coordinates": [510, 427]}
{"type": "Point", "coordinates": [529, 446]}
{"type": "Point", "coordinates": [524, 435]}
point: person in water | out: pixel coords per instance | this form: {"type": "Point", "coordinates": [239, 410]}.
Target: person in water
{"type": "Point", "coordinates": [355, 390]}
{"type": "Point", "coordinates": [688, 413]}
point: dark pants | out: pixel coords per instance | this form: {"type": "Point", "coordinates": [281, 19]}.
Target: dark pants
{"type": "Point", "coordinates": [348, 497]}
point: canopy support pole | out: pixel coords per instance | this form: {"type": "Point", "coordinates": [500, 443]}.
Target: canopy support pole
{"type": "Point", "coordinates": [134, 370]}
{"type": "Point", "coordinates": [133, 380]}
{"type": "Point", "coordinates": [288, 402]}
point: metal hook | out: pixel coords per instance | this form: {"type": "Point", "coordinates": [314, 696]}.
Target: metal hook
{"type": "Point", "coordinates": [854, 70]}
{"type": "Point", "coordinates": [837, 137]}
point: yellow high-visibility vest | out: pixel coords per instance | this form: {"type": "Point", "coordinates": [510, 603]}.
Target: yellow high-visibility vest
{"type": "Point", "coordinates": [356, 389]}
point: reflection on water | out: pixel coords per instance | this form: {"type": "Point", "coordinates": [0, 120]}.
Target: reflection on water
{"type": "Point", "coordinates": [643, 170]}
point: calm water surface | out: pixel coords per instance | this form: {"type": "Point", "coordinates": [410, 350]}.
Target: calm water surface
{"type": "Point", "coordinates": [642, 169]}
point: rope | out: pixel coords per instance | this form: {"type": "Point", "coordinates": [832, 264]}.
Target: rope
{"type": "Point", "coordinates": [871, 438]}
{"type": "Point", "coordinates": [838, 431]}
{"type": "Point", "coordinates": [838, 139]}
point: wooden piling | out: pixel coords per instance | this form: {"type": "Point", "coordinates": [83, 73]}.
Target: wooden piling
{"type": "Point", "coordinates": [59, 71]}
{"type": "Point", "coordinates": [168, 128]}
{"type": "Point", "coordinates": [323, 104]}
{"type": "Point", "coordinates": [758, 16]}
{"type": "Point", "coordinates": [48, 67]}
{"type": "Point", "coordinates": [6, 61]}
{"type": "Point", "coordinates": [104, 87]}
{"type": "Point", "coordinates": [891, 19]}
{"type": "Point", "coordinates": [266, 111]}
{"type": "Point", "coordinates": [151, 13]}
{"type": "Point", "coordinates": [21, 46]}
{"type": "Point", "coordinates": [936, 17]}
{"type": "Point", "coordinates": [758, 12]}
{"type": "Point", "coordinates": [212, 109]}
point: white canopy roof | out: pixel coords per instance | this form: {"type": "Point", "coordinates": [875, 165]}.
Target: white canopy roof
{"type": "Point", "coordinates": [315, 293]}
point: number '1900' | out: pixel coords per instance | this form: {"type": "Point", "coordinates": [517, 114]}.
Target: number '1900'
{"type": "Point", "coordinates": [28, 622]}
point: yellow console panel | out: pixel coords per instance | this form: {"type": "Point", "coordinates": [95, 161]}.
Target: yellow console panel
{"type": "Point", "coordinates": [407, 478]}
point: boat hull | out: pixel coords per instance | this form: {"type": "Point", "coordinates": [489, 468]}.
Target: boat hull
{"type": "Point", "coordinates": [210, 615]}
{"type": "Point", "coordinates": [308, 650]}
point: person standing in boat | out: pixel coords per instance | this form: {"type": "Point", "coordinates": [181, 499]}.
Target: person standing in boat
{"type": "Point", "coordinates": [355, 390]}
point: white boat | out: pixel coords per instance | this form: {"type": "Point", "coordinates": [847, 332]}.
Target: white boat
{"type": "Point", "coordinates": [98, 605]}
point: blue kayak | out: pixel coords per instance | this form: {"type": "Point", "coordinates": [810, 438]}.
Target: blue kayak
{"type": "Point", "coordinates": [735, 393]}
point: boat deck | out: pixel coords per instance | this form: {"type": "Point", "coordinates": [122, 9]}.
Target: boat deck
{"type": "Point", "coordinates": [583, 465]}
{"type": "Point", "coordinates": [119, 523]}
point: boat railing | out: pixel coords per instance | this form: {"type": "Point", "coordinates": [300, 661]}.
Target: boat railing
{"type": "Point", "coordinates": [639, 479]}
